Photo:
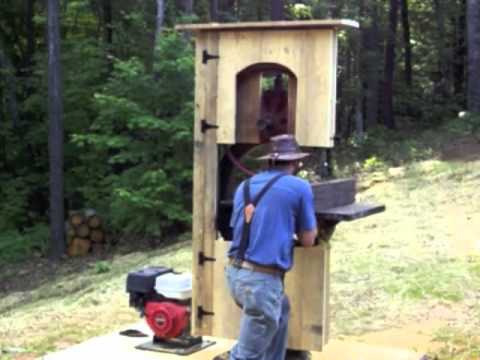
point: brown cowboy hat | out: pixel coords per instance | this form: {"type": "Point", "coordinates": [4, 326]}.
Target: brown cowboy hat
{"type": "Point", "coordinates": [284, 148]}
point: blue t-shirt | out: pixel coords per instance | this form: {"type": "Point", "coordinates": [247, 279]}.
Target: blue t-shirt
{"type": "Point", "coordinates": [286, 208]}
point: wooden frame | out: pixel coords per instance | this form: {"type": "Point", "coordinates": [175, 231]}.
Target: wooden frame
{"type": "Point", "coordinates": [308, 50]}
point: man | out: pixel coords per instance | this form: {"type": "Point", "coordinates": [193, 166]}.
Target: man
{"type": "Point", "coordinates": [269, 209]}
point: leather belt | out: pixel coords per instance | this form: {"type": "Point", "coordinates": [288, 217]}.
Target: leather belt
{"type": "Point", "coordinates": [244, 264]}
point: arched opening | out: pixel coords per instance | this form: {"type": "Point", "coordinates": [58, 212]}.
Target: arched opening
{"type": "Point", "coordinates": [266, 102]}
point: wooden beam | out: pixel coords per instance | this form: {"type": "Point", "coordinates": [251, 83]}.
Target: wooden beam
{"type": "Point", "coordinates": [204, 183]}
{"type": "Point", "coordinates": [271, 25]}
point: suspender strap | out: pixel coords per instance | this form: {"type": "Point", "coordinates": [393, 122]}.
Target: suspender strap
{"type": "Point", "coordinates": [249, 210]}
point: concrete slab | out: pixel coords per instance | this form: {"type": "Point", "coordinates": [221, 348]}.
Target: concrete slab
{"type": "Point", "coordinates": [117, 347]}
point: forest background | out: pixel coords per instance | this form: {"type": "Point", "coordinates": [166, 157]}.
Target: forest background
{"type": "Point", "coordinates": [96, 102]}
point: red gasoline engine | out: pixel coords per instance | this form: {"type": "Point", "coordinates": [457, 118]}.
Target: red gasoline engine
{"type": "Point", "coordinates": [163, 297]}
{"type": "Point", "coordinates": [167, 319]}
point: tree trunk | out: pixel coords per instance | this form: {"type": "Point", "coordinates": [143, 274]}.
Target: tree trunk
{"type": "Point", "coordinates": [107, 23]}
{"type": "Point", "coordinates": [388, 115]}
{"type": "Point", "coordinates": [8, 71]}
{"type": "Point", "coordinates": [407, 44]}
{"type": "Point", "coordinates": [441, 79]}
{"type": "Point", "coordinates": [159, 22]}
{"type": "Point", "coordinates": [473, 38]}
{"type": "Point", "coordinates": [30, 29]}
{"type": "Point", "coordinates": [186, 6]}
{"type": "Point", "coordinates": [372, 69]}
{"type": "Point", "coordinates": [460, 50]}
{"type": "Point", "coordinates": [359, 96]}
{"type": "Point", "coordinates": [213, 10]}
{"type": "Point", "coordinates": [334, 9]}
{"type": "Point", "coordinates": [55, 138]}
{"type": "Point", "coordinates": [276, 10]}
{"type": "Point", "coordinates": [108, 31]}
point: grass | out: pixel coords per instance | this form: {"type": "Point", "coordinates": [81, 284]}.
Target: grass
{"type": "Point", "coordinates": [383, 267]}
{"type": "Point", "coordinates": [390, 269]}
{"type": "Point", "coordinates": [66, 310]}
{"type": "Point", "coordinates": [459, 344]}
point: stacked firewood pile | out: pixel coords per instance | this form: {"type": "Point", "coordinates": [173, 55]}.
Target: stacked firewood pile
{"type": "Point", "coordinates": [85, 233]}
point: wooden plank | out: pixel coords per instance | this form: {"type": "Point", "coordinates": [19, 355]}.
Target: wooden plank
{"type": "Point", "coordinates": [198, 182]}
{"type": "Point", "coordinates": [316, 93]}
{"type": "Point", "coordinates": [307, 288]}
{"type": "Point", "coordinates": [227, 314]}
{"type": "Point", "coordinates": [292, 103]}
{"type": "Point", "coordinates": [308, 54]}
{"type": "Point", "coordinates": [121, 347]}
{"type": "Point", "coordinates": [278, 25]}
{"type": "Point", "coordinates": [205, 182]}
{"type": "Point", "coordinates": [248, 108]}
{"type": "Point", "coordinates": [351, 212]}
{"type": "Point", "coordinates": [210, 187]}
{"type": "Point", "coordinates": [333, 193]}
{"type": "Point", "coordinates": [333, 85]}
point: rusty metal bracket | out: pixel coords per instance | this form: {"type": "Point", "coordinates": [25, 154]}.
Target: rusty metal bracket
{"type": "Point", "coordinates": [206, 57]}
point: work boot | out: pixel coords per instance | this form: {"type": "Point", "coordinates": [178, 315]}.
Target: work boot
{"type": "Point", "coordinates": [298, 355]}
{"type": "Point", "coordinates": [224, 356]}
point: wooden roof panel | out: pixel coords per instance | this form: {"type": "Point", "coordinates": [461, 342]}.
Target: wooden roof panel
{"type": "Point", "coordinates": [271, 25]}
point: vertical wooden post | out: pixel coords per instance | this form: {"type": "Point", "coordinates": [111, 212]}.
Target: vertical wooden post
{"type": "Point", "coordinates": [205, 182]}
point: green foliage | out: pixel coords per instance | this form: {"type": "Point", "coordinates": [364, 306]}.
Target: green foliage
{"type": "Point", "coordinates": [300, 12]}
{"type": "Point", "coordinates": [142, 136]}
{"type": "Point", "coordinates": [102, 267]}
{"type": "Point", "coordinates": [16, 245]}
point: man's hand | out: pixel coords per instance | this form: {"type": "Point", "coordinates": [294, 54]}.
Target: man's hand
{"type": "Point", "coordinates": [307, 238]}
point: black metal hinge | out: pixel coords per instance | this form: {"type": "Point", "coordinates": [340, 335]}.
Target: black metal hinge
{"type": "Point", "coordinates": [201, 313]}
{"type": "Point", "coordinates": [206, 56]}
{"type": "Point", "coordinates": [205, 125]}
{"type": "Point", "coordinates": [202, 258]}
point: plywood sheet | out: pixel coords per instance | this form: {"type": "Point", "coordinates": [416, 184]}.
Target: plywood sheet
{"type": "Point", "coordinates": [308, 54]}
{"type": "Point", "coordinates": [307, 287]}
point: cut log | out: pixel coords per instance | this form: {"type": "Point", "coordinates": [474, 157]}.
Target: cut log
{"type": "Point", "coordinates": [82, 231]}
{"type": "Point", "coordinates": [94, 221]}
{"type": "Point", "coordinates": [71, 232]}
{"type": "Point", "coordinates": [79, 247]}
{"type": "Point", "coordinates": [77, 219]}
{"type": "Point", "coordinates": [97, 236]}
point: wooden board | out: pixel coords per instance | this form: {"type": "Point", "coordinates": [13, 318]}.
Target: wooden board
{"type": "Point", "coordinates": [204, 182]}
{"type": "Point", "coordinates": [121, 347]}
{"type": "Point", "coordinates": [351, 212]}
{"type": "Point", "coordinates": [333, 193]}
{"type": "Point", "coordinates": [279, 25]}
{"type": "Point", "coordinates": [249, 96]}
{"type": "Point", "coordinates": [309, 54]}
{"type": "Point", "coordinates": [307, 287]}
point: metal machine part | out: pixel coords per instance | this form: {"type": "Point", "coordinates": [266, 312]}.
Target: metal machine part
{"type": "Point", "coordinates": [166, 308]}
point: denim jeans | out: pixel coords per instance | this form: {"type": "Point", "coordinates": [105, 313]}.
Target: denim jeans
{"type": "Point", "coordinates": [265, 312]}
